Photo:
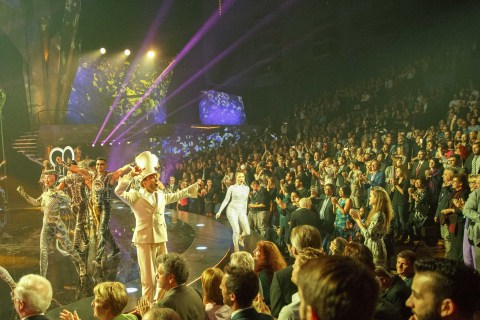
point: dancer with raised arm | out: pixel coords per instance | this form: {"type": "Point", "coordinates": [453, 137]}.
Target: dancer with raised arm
{"type": "Point", "coordinates": [102, 182]}
{"type": "Point", "coordinates": [53, 202]}
{"type": "Point", "coordinates": [237, 201]}
{"type": "Point", "coordinates": [148, 205]}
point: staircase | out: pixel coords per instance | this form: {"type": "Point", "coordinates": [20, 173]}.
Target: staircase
{"type": "Point", "coordinates": [27, 145]}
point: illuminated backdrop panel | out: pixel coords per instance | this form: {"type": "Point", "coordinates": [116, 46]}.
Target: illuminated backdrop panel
{"type": "Point", "coordinates": [220, 108]}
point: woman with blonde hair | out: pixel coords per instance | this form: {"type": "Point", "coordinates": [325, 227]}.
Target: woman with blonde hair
{"type": "Point", "coordinates": [237, 200]}
{"type": "Point", "coordinates": [377, 224]}
{"type": "Point", "coordinates": [110, 298]}
{"type": "Point", "coordinates": [212, 295]}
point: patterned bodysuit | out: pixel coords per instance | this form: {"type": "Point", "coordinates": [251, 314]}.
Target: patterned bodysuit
{"type": "Point", "coordinates": [52, 203]}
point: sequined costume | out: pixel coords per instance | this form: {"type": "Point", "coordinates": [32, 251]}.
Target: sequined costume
{"type": "Point", "coordinates": [5, 276]}
{"type": "Point", "coordinates": [74, 185]}
{"type": "Point", "coordinates": [101, 202]}
{"type": "Point", "coordinates": [52, 203]}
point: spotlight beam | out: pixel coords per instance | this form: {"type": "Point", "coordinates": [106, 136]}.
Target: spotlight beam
{"type": "Point", "coordinates": [228, 51]}
{"type": "Point", "coordinates": [159, 18]}
{"type": "Point", "coordinates": [212, 20]}
{"type": "Point", "coordinates": [216, 60]}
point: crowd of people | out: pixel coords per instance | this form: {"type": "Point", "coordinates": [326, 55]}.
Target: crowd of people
{"type": "Point", "coordinates": [334, 200]}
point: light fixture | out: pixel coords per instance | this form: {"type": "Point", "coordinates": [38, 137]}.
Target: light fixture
{"type": "Point", "coordinates": [127, 52]}
{"type": "Point", "coordinates": [151, 54]}
{"type": "Point", "coordinates": [103, 50]}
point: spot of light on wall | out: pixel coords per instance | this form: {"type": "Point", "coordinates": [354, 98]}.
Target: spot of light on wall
{"type": "Point", "coordinates": [103, 50]}
{"type": "Point", "coordinates": [127, 52]}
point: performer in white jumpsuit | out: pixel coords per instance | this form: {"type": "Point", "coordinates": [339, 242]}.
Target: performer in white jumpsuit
{"type": "Point", "coordinates": [237, 201]}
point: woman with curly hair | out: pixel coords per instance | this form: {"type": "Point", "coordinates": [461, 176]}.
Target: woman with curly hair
{"type": "Point", "coordinates": [212, 295]}
{"type": "Point", "coordinates": [268, 260]}
{"type": "Point", "coordinates": [377, 224]}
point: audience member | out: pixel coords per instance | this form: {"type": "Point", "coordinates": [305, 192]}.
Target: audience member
{"type": "Point", "coordinates": [172, 275]}
{"type": "Point", "coordinates": [337, 287]}
{"type": "Point", "coordinates": [157, 313]}
{"type": "Point", "coordinates": [444, 289]}
{"type": "Point", "coordinates": [32, 296]}
{"type": "Point", "coordinates": [212, 295]}
{"type": "Point", "coordinates": [405, 270]}
{"type": "Point", "coordinates": [394, 290]}
{"type": "Point", "coordinates": [291, 311]}
{"type": "Point", "coordinates": [268, 260]}
{"type": "Point", "coordinates": [110, 298]}
{"type": "Point", "coordinates": [239, 289]}
{"type": "Point", "coordinates": [282, 287]}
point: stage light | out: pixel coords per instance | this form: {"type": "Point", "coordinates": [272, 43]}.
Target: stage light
{"type": "Point", "coordinates": [101, 144]}
{"type": "Point", "coordinates": [201, 248]}
{"type": "Point", "coordinates": [151, 54]}
{"type": "Point", "coordinates": [93, 145]}
{"type": "Point", "coordinates": [127, 52]}
{"type": "Point", "coordinates": [103, 50]}
{"type": "Point", "coordinates": [111, 143]}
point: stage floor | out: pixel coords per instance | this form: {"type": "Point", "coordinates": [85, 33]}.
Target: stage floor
{"type": "Point", "coordinates": [203, 241]}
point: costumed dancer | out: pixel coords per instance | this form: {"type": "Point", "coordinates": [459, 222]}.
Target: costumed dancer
{"type": "Point", "coordinates": [74, 185]}
{"type": "Point", "coordinates": [53, 202]}
{"type": "Point", "coordinates": [148, 205]}
{"type": "Point", "coordinates": [237, 200]}
{"type": "Point", "coordinates": [5, 276]}
{"type": "Point", "coordinates": [102, 182]}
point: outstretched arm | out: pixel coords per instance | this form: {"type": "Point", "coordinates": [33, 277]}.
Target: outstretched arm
{"type": "Point", "coordinates": [120, 172]}
{"type": "Point", "coordinates": [34, 202]}
{"type": "Point", "coordinates": [73, 168]}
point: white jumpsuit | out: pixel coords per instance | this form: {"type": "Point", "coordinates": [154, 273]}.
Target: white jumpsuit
{"type": "Point", "coordinates": [237, 201]}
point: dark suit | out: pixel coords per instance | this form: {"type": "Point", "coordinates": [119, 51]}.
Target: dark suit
{"type": "Point", "coordinates": [397, 294]}
{"type": "Point", "coordinates": [251, 314]}
{"type": "Point", "coordinates": [326, 224]}
{"type": "Point", "coordinates": [304, 216]}
{"type": "Point", "coordinates": [418, 171]}
{"type": "Point", "coordinates": [281, 290]}
{"type": "Point", "coordinates": [185, 301]}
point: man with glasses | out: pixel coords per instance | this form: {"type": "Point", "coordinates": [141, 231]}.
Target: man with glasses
{"type": "Point", "coordinates": [32, 297]}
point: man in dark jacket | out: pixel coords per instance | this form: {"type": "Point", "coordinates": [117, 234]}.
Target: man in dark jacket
{"type": "Point", "coordinates": [239, 289]}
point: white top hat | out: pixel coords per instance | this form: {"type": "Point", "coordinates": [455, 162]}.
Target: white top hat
{"type": "Point", "coordinates": [148, 162]}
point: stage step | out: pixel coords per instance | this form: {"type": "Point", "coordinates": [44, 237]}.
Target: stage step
{"type": "Point", "coordinates": [27, 144]}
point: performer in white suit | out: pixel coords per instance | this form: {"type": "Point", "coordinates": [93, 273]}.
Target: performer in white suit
{"type": "Point", "coordinates": [237, 201]}
{"type": "Point", "coordinates": [148, 205]}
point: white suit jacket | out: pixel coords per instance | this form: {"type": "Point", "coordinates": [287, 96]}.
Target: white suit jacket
{"type": "Point", "coordinates": [150, 226]}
